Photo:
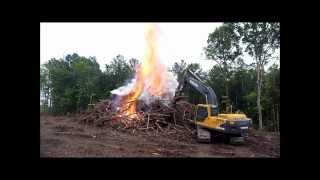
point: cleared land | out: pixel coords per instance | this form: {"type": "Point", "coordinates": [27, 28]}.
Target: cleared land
{"type": "Point", "coordinates": [64, 136]}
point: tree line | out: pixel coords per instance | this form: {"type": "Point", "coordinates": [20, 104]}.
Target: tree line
{"type": "Point", "coordinates": [69, 84]}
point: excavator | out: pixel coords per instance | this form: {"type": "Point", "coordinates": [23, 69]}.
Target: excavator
{"type": "Point", "coordinates": [233, 127]}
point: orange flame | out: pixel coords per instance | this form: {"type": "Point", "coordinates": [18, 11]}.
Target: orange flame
{"type": "Point", "coordinates": [149, 75]}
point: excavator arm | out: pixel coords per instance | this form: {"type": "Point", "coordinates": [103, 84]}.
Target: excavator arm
{"type": "Point", "coordinates": [190, 78]}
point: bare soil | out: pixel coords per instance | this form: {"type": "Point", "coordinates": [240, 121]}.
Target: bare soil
{"type": "Point", "coordinates": [64, 136]}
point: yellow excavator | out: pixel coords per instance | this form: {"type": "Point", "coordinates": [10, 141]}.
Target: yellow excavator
{"type": "Point", "coordinates": [209, 122]}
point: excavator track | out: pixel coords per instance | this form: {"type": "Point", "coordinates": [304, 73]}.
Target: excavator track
{"type": "Point", "coordinates": [236, 140]}
{"type": "Point", "coordinates": [203, 135]}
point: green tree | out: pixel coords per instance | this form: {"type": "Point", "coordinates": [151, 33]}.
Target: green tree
{"type": "Point", "coordinates": [242, 82]}
{"type": "Point", "coordinates": [271, 98]}
{"type": "Point", "coordinates": [243, 89]}
{"type": "Point", "coordinates": [73, 80]}
{"type": "Point", "coordinates": [118, 72]}
{"type": "Point", "coordinates": [178, 69]}
{"type": "Point", "coordinates": [260, 40]}
{"type": "Point", "coordinates": [59, 77]}
{"type": "Point", "coordinates": [86, 72]}
{"type": "Point", "coordinates": [44, 89]}
{"type": "Point", "coordinates": [215, 80]}
{"type": "Point", "coordinates": [196, 68]}
{"type": "Point", "coordinates": [223, 47]}
{"type": "Point", "coordinates": [67, 84]}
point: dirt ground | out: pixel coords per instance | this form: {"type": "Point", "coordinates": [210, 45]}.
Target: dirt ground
{"type": "Point", "coordinates": [64, 137]}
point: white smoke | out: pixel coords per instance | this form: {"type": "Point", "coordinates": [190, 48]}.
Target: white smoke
{"type": "Point", "coordinates": [168, 92]}
{"type": "Point", "coordinates": [170, 87]}
{"type": "Point", "coordinates": [124, 90]}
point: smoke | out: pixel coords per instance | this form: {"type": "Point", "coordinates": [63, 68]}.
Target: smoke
{"type": "Point", "coordinates": [169, 87]}
{"type": "Point", "coordinates": [124, 90]}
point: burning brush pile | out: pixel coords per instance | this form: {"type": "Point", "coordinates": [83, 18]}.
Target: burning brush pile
{"type": "Point", "coordinates": [158, 118]}
{"type": "Point", "coordinates": [146, 103]}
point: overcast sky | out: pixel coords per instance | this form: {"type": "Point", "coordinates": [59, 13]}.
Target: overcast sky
{"type": "Point", "coordinates": [106, 40]}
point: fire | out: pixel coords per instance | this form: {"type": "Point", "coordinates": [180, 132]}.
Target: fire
{"type": "Point", "coordinates": [148, 73]}
{"type": "Point", "coordinates": [151, 77]}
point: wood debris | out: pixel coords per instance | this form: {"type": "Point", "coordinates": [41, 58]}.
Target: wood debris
{"type": "Point", "coordinates": [159, 117]}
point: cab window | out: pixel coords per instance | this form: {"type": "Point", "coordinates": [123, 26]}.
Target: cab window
{"type": "Point", "coordinates": [202, 113]}
{"type": "Point", "coordinates": [214, 111]}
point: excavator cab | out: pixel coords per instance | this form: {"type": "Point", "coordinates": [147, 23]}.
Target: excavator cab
{"type": "Point", "coordinates": [204, 111]}
{"type": "Point", "coordinates": [209, 122]}
{"type": "Point", "coordinates": [201, 113]}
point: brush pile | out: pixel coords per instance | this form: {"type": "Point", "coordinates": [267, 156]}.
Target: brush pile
{"type": "Point", "coordinates": [159, 117]}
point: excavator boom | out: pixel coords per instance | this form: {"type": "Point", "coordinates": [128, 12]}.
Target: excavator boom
{"type": "Point", "coordinates": [193, 80]}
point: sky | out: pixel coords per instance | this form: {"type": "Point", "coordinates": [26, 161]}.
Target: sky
{"type": "Point", "coordinates": [106, 40]}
